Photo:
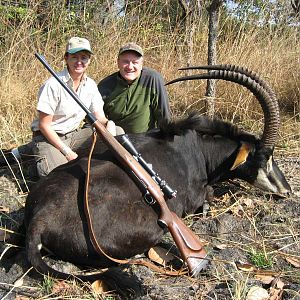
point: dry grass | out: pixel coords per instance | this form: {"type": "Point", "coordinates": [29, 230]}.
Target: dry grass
{"type": "Point", "coordinates": [273, 55]}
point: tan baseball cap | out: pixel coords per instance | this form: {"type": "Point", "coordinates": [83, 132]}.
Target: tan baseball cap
{"type": "Point", "coordinates": [131, 47]}
{"type": "Point", "coordinates": [76, 44]}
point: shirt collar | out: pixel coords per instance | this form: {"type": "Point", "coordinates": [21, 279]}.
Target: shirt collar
{"type": "Point", "coordinates": [66, 77]}
{"type": "Point", "coordinates": [123, 82]}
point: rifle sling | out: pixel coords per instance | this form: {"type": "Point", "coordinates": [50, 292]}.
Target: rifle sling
{"type": "Point", "coordinates": [92, 236]}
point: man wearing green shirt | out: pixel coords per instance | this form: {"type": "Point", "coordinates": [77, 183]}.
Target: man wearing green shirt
{"type": "Point", "coordinates": [135, 97]}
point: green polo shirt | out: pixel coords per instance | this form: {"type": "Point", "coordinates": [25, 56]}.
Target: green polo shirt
{"type": "Point", "coordinates": [137, 107]}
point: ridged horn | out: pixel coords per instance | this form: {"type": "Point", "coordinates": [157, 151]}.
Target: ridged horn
{"type": "Point", "coordinates": [249, 79]}
{"type": "Point", "coordinates": [237, 69]}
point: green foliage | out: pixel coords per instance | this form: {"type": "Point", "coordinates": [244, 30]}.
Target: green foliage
{"type": "Point", "coordinates": [261, 12]}
{"type": "Point", "coordinates": [47, 285]}
{"type": "Point", "coordinates": [260, 258]}
{"type": "Point", "coordinates": [13, 14]}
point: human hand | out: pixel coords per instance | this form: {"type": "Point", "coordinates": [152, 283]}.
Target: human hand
{"type": "Point", "coordinates": [68, 153]}
{"type": "Point", "coordinates": [111, 127]}
{"type": "Point", "coordinates": [72, 155]}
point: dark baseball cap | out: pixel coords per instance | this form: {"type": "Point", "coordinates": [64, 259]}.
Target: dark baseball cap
{"type": "Point", "coordinates": [131, 47]}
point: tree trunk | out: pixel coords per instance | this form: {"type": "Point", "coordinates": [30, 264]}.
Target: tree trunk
{"type": "Point", "coordinates": [213, 11]}
{"type": "Point", "coordinates": [191, 12]}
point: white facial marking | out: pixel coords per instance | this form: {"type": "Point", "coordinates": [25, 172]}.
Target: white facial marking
{"type": "Point", "coordinates": [269, 165]}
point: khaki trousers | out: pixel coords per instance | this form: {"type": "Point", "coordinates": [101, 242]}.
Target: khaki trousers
{"type": "Point", "coordinates": [48, 157]}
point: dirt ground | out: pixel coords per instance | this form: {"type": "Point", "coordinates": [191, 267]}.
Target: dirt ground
{"type": "Point", "coordinates": [252, 239]}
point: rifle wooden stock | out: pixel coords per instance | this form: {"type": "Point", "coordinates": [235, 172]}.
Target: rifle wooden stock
{"type": "Point", "coordinates": [187, 242]}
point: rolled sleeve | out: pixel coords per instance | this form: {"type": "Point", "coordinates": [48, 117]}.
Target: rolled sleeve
{"type": "Point", "coordinates": [47, 99]}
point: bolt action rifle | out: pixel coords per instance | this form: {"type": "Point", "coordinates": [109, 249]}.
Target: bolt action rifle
{"type": "Point", "coordinates": [165, 188]}
{"type": "Point", "coordinates": [187, 242]}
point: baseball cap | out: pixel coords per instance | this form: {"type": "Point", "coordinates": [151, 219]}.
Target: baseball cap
{"type": "Point", "coordinates": [76, 44]}
{"type": "Point", "coordinates": [131, 47]}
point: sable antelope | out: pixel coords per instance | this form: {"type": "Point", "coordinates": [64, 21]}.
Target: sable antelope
{"type": "Point", "coordinates": [191, 154]}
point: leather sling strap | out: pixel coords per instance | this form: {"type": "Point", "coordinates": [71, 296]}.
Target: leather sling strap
{"type": "Point", "coordinates": [94, 241]}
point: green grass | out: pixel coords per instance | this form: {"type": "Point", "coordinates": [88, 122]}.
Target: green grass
{"type": "Point", "coordinates": [260, 258]}
{"type": "Point", "coordinates": [47, 285]}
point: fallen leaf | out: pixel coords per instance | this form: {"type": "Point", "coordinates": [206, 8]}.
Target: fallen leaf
{"type": "Point", "coordinates": [160, 255]}
{"type": "Point", "coordinates": [266, 279]}
{"type": "Point", "coordinates": [248, 202]}
{"type": "Point", "coordinates": [276, 290]}
{"type": "Point", "coordinates": [275, 294]}
{"type": "Point", "coordinates": [221, 246]}
{"type": "Point", "coordinates": [279, 284]}
{"type": "Point", "coordinates": [60, 286]}
{"type": "Point", "coordinates": [245, 267]}
{"type": "Point", "coordinates": [257, 293]}
{"type": "Point", "coordinates": [99, 287]}
{"type": "Point", "coordinates": [293, 261]}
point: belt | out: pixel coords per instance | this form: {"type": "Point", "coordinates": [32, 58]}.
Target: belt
{"type": "Point", "coordinates": [39, 133]}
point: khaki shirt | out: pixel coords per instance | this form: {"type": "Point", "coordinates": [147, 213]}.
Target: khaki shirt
{"type": "Point", "coordinates": [54, 100]}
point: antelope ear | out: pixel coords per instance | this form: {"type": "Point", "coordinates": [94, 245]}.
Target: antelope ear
{"type": "Point", "coordinates": [241, 156]}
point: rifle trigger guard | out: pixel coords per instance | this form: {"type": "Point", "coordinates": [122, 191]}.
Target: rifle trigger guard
{"type": "Point", "coordinates": [148, 198]}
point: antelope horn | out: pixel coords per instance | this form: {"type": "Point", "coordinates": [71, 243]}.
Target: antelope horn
{"type": "Point", "coordinates": [256, 85]}
{"type": "Point", "coordinates": [237, 69]}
